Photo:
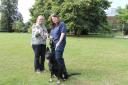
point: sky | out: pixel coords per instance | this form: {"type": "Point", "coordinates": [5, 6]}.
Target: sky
{"type": "Point", "coordinates": [117, 3]}
{"type": "Point", "coordinates": [24, 6]}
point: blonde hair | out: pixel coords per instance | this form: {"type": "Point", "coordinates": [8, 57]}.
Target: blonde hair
{"type": "Point", "coordinates": [40, 16]}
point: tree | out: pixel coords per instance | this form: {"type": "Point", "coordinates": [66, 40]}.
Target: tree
{"type": "Point", "coordinates": [27, 26]}
{"type": "Point", "coordinates": [41, 7]}
{"type": "Point", "coordinates": [18, 26]}
{"type": "Point", "coordinates": [123, 17]}
{"type": "Point", "coordinates": [123, 14]}
{"type": "Point", "coordinates": [86, 15]}
{"type": "Point", "coordinates": [79, 15]}
{"type": "Point", "coordinates": [9, 14]}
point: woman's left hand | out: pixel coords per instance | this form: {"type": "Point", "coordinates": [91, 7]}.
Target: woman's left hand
{"type": "Point", "coordinates": [57, 45]}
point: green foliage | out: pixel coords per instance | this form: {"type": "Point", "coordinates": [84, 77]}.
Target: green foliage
{"type": "Point", "coordinates": [125, 29]}
{"type": "Point", "coordinates": [79, 15]}
{"type": "Point", "coordinates": [27, 26]}
{"type": "Point", "coordinates": [85, 14]}
{"type": "Point", "coordinates": [9, 14]}
{"type": "Point", "coordinates": [18, 26]}
{"type": "Point", "coordinates": [123, 14]}
{"type": "Point", "coordinates": [3, 24]}
{"type": "Point", "coordinates": [123, 17]}
{"type": "Point", "coordinates": [41, 7]}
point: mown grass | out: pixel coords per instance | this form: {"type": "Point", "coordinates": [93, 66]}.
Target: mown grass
{"type": "Point", "coordinates": [92, 60]}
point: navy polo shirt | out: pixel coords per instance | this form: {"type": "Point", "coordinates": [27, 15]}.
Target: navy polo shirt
{"type": "Point", "coordinates": [56, 32]}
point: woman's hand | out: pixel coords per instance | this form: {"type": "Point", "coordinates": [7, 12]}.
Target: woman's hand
{"type": "Point", "coordinates": [58, 43]}
{"type": "Point", "coordinates": [60, 40]}
{"type": "Point", "coordinates": [37, 35]}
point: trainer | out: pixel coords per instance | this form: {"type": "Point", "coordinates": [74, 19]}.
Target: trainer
{"type": "Point", "coordinates": [58, 35]}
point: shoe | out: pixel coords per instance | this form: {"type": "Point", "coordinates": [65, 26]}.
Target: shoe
{"type": "Point", "coordinates": [51, 80]}
{"type": "Point", "coordinates": [38, 71]}
{"type": "Point", "coordinates": [58, 82]}
{"type": "Point", "coordinates": [42, 71]}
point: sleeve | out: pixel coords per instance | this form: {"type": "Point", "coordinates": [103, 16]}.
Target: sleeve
{"type": "Point", "coordinates": [63, 27]}
{"type": "Point", "coordinates": [33, 31]}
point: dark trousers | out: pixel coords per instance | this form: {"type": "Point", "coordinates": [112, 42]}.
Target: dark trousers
{"type": "Point", "coordinates": [60, 61]}
{"type": "Point", "coordinates": [39, 51]}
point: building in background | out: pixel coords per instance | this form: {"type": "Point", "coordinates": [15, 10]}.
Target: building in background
{"type": "Point", "coordinates": [111, 15]}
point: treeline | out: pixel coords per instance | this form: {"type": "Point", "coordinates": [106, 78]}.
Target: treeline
{"type": "Point", "coordinates": [81, 16]}
{"type": "Point", "coordinates": [123, 18]}
{"type": "Point", "coordinates": [9, 15]}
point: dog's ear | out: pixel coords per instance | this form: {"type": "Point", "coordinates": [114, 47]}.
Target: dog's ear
{"type": "Point", "coordinates": [47, 53]}
{"type": "Point", "coordinates": [47, 49]}
{"type": "Point", "coordinates": [50, 42]}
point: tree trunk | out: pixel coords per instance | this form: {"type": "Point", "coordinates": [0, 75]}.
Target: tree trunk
{"type": "Point", "coordinates": [75, 31]}
{"type": "Point", "coordinates": [123, 29]}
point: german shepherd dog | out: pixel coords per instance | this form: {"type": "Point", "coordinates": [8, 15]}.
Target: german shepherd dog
{"type": "Point", "coordinates": [54, 67]}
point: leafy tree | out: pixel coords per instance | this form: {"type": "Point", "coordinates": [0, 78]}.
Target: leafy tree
{"type": "Point", "coordinates": [123, 17]}
{"type": "Point", "coordinates": [27, 26]}
{"type": "Point", "coordinates": [41, 7]}
{"type": "Point", "coordinates": [86, 15]}
{"type": "Point", "coordinates": [37, 9]}
{"type": "Point", "coordinates": [9, 14]}
{"type": "Point", "coordinates": [123, 14]}
{"type": "Point", "coordinates": [18, 26]}
{"type": "Point", "coordinates": [79, 15]}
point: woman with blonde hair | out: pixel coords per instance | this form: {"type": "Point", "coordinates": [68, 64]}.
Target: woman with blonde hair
{"type": "Point", "coordinates": [39, 36]}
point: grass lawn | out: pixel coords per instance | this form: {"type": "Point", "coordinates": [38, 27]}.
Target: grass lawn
{"type": "Point", "coordinates": [94, 61]}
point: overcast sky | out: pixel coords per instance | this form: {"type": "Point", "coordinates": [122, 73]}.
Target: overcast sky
{"type": "Point", "coordinates": [117, 3]}
{"type": "Point", "coordinates": [24, 6]}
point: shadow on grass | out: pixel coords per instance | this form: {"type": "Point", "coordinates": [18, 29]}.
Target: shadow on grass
{"type": "Point", "coordinates": [74, 74]}
{"type": "Point", "coordinates": [91, 36]}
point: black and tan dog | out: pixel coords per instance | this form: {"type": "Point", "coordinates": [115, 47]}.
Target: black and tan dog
{"type": "Point", "coordinates": [54, 67]}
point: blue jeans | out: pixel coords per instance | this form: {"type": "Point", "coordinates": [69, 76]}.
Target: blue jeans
{"type": "Point", "coordinates": [59, 57]}
{"type": "Point", "coordinates": [60, 60]}
{"type": "Point", "coordinates": [39, 59]}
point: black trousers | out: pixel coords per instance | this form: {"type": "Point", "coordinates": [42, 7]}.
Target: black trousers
{"type": "Point", "coordinates": [39, 59]}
